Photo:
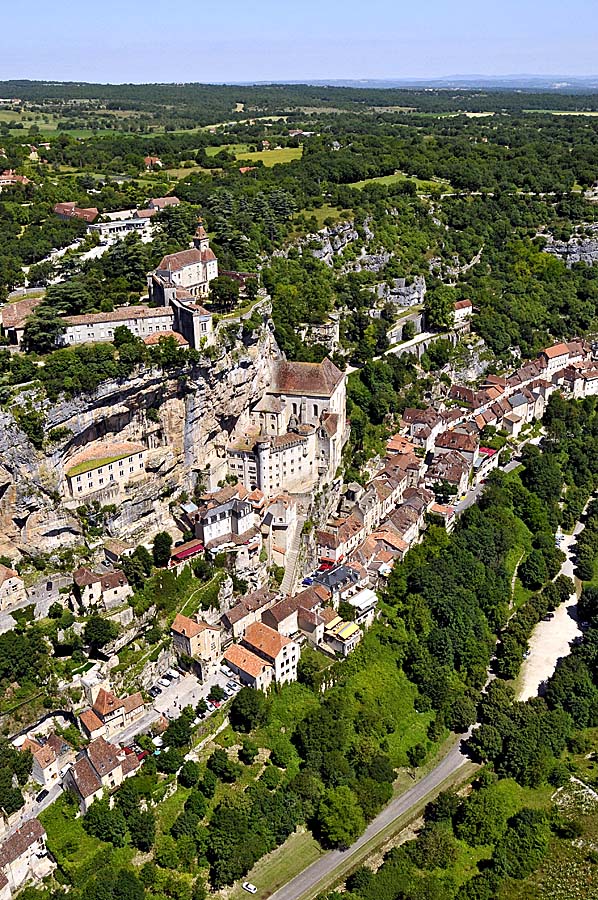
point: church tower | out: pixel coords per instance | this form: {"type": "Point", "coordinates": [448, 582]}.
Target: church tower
{"type": "Point", "coordinates": [200, 239]}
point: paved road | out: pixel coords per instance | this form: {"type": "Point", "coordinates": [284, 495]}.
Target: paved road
{"type": "Point", "coordinates": [325, 866]}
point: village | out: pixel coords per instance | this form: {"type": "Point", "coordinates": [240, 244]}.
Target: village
{"type": "Point", "coordinates": [289, 444]}
{"type": "Point", "coordinates": [272, 499]}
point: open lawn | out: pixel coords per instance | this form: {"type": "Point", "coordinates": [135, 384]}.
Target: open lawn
{"type": "Point", "coordinates": [425, 187]}
{"type": "Point", "coordinates": [324, 212]}
{"type": "Point", "coordinates": [271, 157]}
{"type": "Point", "coordinates": [278, 867]}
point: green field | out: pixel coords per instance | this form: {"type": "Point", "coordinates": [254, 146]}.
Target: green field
{"type": "Point", "coordinates": [271, 157]}
{"type": "Point", "coordinates": [278, 867]}
{"type": "Point", "coordinates": [426, 187]}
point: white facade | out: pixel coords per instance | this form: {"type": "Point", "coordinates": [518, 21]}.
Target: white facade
{"type": "Point", "coordinates": [103, 474]}
{"type": "Point", "coordinates": [97, 327]}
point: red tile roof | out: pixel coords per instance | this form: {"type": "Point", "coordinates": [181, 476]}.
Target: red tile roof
{"type": "Point", "coordinates": [318, 379]}
{"type": "Point", "coordinates": [265, 640]}
{"type": "Point", "coordinates": [245, 660]}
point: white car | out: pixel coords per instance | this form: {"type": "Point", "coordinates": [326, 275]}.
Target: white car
{"type": "Point", "coordinates": [226, 671]}
{"type": "Point", "coordinates": [249, 887]}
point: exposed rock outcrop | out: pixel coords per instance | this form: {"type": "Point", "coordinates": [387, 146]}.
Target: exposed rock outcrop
{"type": "Point", "coordinates": [183, 418]}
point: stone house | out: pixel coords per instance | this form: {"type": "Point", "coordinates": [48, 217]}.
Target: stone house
{"type": "Point", "coordinates": [12, 588]}
{"type": "Point", "coordinates": [108, 714]}
{"type": "Point", "coordinates": [277, 650]}
{"type": "Point", "coordinates": [23, 856]}
{"type": "Point", "coordinates": [49, 758]}
{"type": "Point", "coordinates": [101, 767]}
{"type": "Point", "coordinates": [197, 640]}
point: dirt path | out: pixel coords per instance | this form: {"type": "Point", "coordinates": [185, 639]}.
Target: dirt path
{"type": "Point", "coordinates": [551, 640]}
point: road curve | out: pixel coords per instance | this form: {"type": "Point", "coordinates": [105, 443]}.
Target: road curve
{"type": "Point", "coordinates": [323, 867]}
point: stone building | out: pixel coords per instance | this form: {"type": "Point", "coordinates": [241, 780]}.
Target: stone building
{"type": "Point", "coordinates": [293, 436]}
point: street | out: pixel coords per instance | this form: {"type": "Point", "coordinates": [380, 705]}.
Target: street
{"type": "Point", "coordinates": [325, 866]}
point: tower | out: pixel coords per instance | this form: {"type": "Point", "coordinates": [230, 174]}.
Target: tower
{"type": "Point", "coordinates": [200, 238]}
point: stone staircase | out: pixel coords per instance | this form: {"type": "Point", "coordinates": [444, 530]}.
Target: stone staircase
{"type": "Point", "coordinates": [288, 582]}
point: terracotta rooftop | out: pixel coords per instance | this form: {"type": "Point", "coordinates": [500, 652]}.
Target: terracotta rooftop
{"type": "Point", "coordinates": [105, 703]}
{"type": "Point", "coordinates": [14, 315]}
{"type": "Point", "coordinates": [174, 262]}
{"type": "Point", "coordinates": [103, 756]}
{"type": "Point", "coordinates": [162, 202]}
{"type": "Point", "coordinates": [454, 440]}
{"type": "Point", "coordinates": [318, 379]}
{"type": "Point", "coordinates": [114, 580]}
{"type": "Point", "coordinates": [90, 721]}
{"type": "Point", "coordinates": [6, 573]}
{"type": "Point", "coordinates": [463, 304]}
{"type": "Point", "coordinates": [85, 778]}
{"type": "Point", "coordinates": [44, 755]}
{"type": "Point", "coordinates": [245, 660]}
{"type": "Point", "coordinates": [152, 339]}
{"type": "Point", "coordinates": [188, 627]}
{"type": "Point", "coordinates": [14, 846]}
{"type": "Point", "coordinates": [265, 640]}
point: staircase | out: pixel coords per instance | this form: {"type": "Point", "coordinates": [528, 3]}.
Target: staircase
{"type": "Point", "coordinates": [288, 582]}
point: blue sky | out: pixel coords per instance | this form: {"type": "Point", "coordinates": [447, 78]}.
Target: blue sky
{"type": "Point", "coordinates": [230, 40]}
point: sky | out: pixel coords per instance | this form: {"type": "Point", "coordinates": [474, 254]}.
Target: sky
{"type": "Point", "coordinates": [270, 40]}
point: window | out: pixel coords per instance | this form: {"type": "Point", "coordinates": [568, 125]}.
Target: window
{"type": "Point", "coordinates": [315, 409]}
{"type": "Point", "coordinates": [79, 489]}
{"type": "Point", "coordinates": [110, 467]}
{"type": "Point", "coordinates": [78, 478]}
{"type": "Point", "coordinates": [101, 481]}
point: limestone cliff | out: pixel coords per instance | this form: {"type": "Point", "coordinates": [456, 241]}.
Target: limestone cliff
{"type": "Point", "coordinates": [183, 418]}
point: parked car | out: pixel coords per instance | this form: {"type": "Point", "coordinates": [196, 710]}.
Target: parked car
{"type": "Point", "coordinates": [210, 706]}
{"type": "Point", "coordinates": [548, 617]}
{"type": "Point", "coordinates": [228, 691]}
{"type": "Point", "coordinates": [141, 756]}
{"type": "Point", "coordinates": [226, 671]}
{"type": "Point", "coordinates": [232, 685]}
{"type": "Point", "coordinates": [237, 687]}
{"type": "Point", "coordinates": [307, 581]}
{"type": "Point", "coordinates": [154, 691]}
{"type": "Point", "coordinates": [164, 682]}
{"type": "Point", "coordinates": [41, 796]}
{"type": "Point", "coordinates": [249, 887]}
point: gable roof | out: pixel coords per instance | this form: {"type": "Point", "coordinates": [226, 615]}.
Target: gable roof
{"type": "Point", "coordinates": [6, 573]}
{"type": "Point", "coordinates": [14, 315]}
{"type": "Point", "coordinates": [318, 379]}
{"type": "Point", "coordinates": [245, 660]}
{"type": "Point", "coordinates": [106, 702]}
{"type": "Point", "coordinates": [14, 846]}
{"type": "Point", "coordinates": [189, 627]}
{"type": "Point", "coordinates": [86, 780]}
{"type": "Point", "coordinates": [90, 721]}
{"type": "Point", "coordinates": [103, 756]}
{"type": "Point", "coordinates": [174, 262]}
{"type": "Point", "coordinates": [265, 640]}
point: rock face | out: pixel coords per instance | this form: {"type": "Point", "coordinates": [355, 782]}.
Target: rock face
{"type": "Point", "coordinates": [403, 294]}
{"type": "Point", "coordinates": [575, 250]}
{"type": "Point", "coordinates": [326, 243]}
{"type": "Point", "coordinates": [183, 418]}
